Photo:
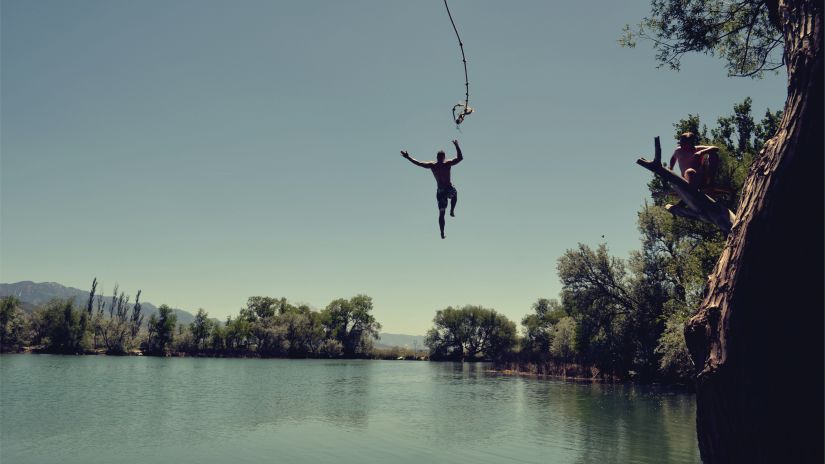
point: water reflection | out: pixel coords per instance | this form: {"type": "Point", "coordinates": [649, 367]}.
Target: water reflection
{"type": "Point", "coordinates": [346, 398]}
{"type": "Point", "coordinates": [109, 409]}
{"type": "Point", "coordinates": [613, 422]}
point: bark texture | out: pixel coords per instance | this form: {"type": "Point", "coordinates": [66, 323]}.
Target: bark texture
{"type": "Point", "coordinates": [757, 339]}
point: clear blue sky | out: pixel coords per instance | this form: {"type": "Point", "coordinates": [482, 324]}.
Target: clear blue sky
{"type": "Point", "coordinates": [206, 151]}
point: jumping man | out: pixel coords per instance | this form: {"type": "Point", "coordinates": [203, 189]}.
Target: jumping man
{"type": "Point", "coordinates": [441, 171]}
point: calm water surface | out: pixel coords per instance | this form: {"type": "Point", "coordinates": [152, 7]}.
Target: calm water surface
{"type": "Point", "coordinates": [98, 409]}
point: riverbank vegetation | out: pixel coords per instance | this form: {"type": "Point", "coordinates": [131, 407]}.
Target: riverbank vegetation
{"type": "Point", "coordinates": [265, 327]}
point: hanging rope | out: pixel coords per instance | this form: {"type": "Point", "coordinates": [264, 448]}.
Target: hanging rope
{"type": "Point", "coordinates": [464, 106]}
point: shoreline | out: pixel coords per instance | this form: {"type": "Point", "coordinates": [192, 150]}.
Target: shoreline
{"type": "Point", "coordinates": [506, 372]}
{"type": "Point", "coordinates": [534, 375]}
{"type": "Point", "coordinates": [180, 354]}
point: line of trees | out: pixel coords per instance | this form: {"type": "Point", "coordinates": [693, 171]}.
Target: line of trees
{"type": "Point", "coordinates": [265, 327]}
{"type": "Point", "coordinates": [273, 327]}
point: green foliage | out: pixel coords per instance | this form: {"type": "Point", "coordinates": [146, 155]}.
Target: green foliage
{"type": "Point", "coordinates": [119, 331]}
{"type": "Point", "coordinates": [184, 341]}
{"type": "Point", "coordinates": [14, 326]}
{"type": "Point", "coordinates": [539, 327]}
{"type": "Point", "coordinates": [137, 317]}
{"type": "Point", "coordinates": [303, 331]}
{"type": "Point", "coordinates": [161, 331]}
{"type": "Point", "coordinates": [217, 338]}
{"type": "Point", "coordinates": [331, 348]}
{"type": "Point", "coordinates": [675, 362]}
{"type": "Point", "coordinates": [263, 307]}
{"type": "Point", "coordinates": [61, 327]}
{"type": "Point", "coordinates": [597, 293]}
{"type": "Point", "coordinates": [563, 344]}
{"type": "Point", "coordinates": [746, 34]}
{"type": "Point", "coordinates": [200, 329]}
{"type": "Point", "coordinates": [351, 324]}
{"type": "Point", "coordinates": [238, 333]}
{"type": "Point", "coordinates": [472, 332]}
{"type": "Point", "coordinates": [269, 336]}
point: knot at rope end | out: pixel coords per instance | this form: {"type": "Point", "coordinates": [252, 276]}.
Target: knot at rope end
{"type": "Point", "coordinates": [465, 111]}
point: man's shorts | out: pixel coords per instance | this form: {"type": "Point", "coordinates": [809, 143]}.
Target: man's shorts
{"type": "Point", "coordinates": [443, 194]}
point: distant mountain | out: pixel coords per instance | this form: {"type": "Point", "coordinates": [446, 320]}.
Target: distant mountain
{"type": "Point", "coordinates": [401, 340]}
{"type": "Point", "coordinates": [34, 294]}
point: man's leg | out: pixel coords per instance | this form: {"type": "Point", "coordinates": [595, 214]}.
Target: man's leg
{"type": "Point", "coordinates": [691, 177]}
{"type": "Point", "coordinates": [453, 200]}
{"type": "Point", "coordinates": [441, 197]}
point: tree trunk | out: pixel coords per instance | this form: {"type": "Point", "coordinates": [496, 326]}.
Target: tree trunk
{"type": "Point", "coordinates": [757, 337]}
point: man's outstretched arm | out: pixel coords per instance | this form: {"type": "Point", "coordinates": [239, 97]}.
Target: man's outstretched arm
{"type": "Point", "coordinates": [414, 161]}
{"type": "Point", "coordinates": [702, 149]}
{"type": "Point", "coordinates": [459, 155]}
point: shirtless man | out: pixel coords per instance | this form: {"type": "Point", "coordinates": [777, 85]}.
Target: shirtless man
{"type": "Point", "coordinates": [441, 171]}
{"type": "Point", "coordinates": [697, 162]}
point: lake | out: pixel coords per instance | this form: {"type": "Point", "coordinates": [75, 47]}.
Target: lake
{"type": "Point", "coordinates": [101, 409]}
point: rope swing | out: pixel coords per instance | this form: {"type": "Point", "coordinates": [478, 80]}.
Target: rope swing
{"type": "Point", "coordinates": [463, 108]}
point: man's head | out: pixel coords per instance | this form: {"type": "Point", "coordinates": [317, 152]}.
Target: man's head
{"type": "Point", "coordinates": [687, 140]}
{"type": "Point", "coordinates": [440, 156]}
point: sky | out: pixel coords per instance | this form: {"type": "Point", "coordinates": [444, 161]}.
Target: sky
{"type": "Point", "coordinates": [206, 151]}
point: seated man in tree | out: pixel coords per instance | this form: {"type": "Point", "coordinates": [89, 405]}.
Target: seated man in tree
{"type": "Point", "coordinates": [441, 171]}
{"type": "Point", "coordinates": [697, 162]}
